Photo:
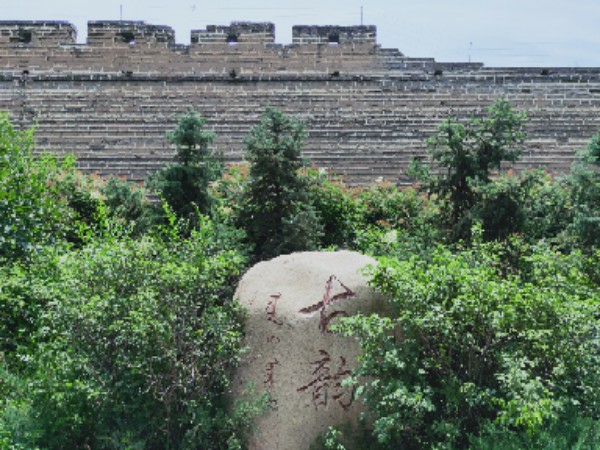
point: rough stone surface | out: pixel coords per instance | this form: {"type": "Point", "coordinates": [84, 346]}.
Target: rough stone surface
{"type": "Point", "coordinates": [369, 110]}
{"type": "Point", "coordinates": [293, 356]}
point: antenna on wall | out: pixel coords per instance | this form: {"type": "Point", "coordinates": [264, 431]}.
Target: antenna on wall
{"type": "Point", "coordinates": [121, 12]}
{"type": "Point", "coordinates": [361, 16]}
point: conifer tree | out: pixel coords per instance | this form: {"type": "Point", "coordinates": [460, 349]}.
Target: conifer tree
{"type": "Point", "coordinates": [278, 216]}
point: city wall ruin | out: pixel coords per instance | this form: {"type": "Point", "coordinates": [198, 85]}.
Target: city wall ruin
{"type": "Point", "coordinates": [368, 109]}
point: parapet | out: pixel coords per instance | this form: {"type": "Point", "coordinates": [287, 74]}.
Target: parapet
{"type": "Point", "coordinates": [237, 32]}
{"type": "Point", "coordinates": [122, 33]}
{"type": "Point", "coordinates": [333, 34]}
{"type": "Point", "coordinates": [37, 33]}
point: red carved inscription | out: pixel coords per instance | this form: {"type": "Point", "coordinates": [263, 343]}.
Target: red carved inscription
{"type": "Point", "coordinates": [326, 383]}
{"type": "Point", "coordinates": [328, 300]}
{"type": "Point", "coordinates": [271, 309]}
{"type": "Point", "coordinates": [270, 368]}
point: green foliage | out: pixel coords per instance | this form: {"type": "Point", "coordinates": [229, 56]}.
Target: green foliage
{"type": "Point", "coordinates": [278, 216]}
{"type": "Point", "coordinates": [387, 206]}
{"type": "Point", "coordinates": [546, 207]}
{"type": "Point", "coordinates": [466, 348]}
{"type": "Point", "coordinates": [585, 192]}
{"type": "Point", "coordinates": [184, 185]}
{"type": "Point", "coordinates": [499, 208]}
{"type": "Point", "coordinates": [119, 331]}
{"type": "Point", "coordinates": [191, 139]}
{"type": "Point", "coordinates": [335, 206]}
{"type": "Point", "coordinates": [592, 153]}
{"type": "Point", "coordinates": [134, 342]}
{"type": "Point", "coordinates": [572, 432]}
{"type": "Point", "coordinates": [467, 153]}
{"type": "Point", "coordinates": [83, 195]}
{"type": "Point", "coordinates": [126, 203]}
{"type": "Point", "coordinates": [32, 209]}
{"type": "Point", "coordinates": [394, 221]}
{"type": "Point", "coordinates": [24, 295]}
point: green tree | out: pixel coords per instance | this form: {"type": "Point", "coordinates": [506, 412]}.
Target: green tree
{"type": "Point", "coordinates": [33, 209]}
{"type": "Point", "coordinates": [336, 208]}
{"type": "Point", "coordinates": [465, 351]}
{"type": "Point", "coordinates": [277, 214]}
{"type": "Point", "coordinates": [467, 153]}
{"type": "Point", "coordinates": [131, 345]}
{"type": "Point", "coordinates": [184, 185]}
{"type": "Point", "coordinates": [585, 193]}
{"type": "Point", "coordinates": [126, 203]}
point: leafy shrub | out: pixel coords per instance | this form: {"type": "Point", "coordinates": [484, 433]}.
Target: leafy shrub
{"type": "Point", "coordinates": [126, 202]}
{"type": "Point", "coordinates": [135, 346]}
{"type": "Point", "coordinates": [546, 206]}
{"type": "Point", "coordinates": [33, 210]}
{"type": "Point", "coordinates": [24, 295]}
{"type": "Point", "coordinates": [467, 349]}
{"type": "Point", "coordinates": [585, 192]}
{"type": "Point", "coordinates": [465, 154]}
{"type": "Point", "coordinates": [387, 206]}
{"type": "Point", "coordinates": [394, 221]}
{"type": "Point", "coordinates": [499, 208]}
{"type": "Point", "coordinates": [336, 208]}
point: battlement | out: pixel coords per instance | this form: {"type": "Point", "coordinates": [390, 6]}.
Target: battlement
{"type": "Point", "coordinates": [141, 49]}
{"type": "Point", "coordinates": [119, 33]}
{"type": "Point", "coordinates": [333, 34]}
{"type": "Point", "coordinates": [369, 109]}
{"type": "Point", "coordinates": [36, 33]}
{"type": "Point", "coordinates": [236, 33]}
{"type": "Point", "coordinates": [124, 33]}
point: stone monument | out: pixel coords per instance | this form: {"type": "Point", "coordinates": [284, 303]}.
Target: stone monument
{"type": "Point", "coordinates": [294, 356]}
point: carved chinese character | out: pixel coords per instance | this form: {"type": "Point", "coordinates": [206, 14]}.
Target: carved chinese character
{"type": "Point", "coordinates": [271, 309]}
{"type": "Point", "coordinates": [269, 370]}
{"type": "Point", "coordinates": [328, 300]}
{"type": "Point", "coordinates": [273, 339]}
{"type": "Point", "coordinates": [327, 383]}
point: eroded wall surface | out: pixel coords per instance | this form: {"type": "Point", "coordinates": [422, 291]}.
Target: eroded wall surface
{"type": "Point", "coordinates": [369, 110]}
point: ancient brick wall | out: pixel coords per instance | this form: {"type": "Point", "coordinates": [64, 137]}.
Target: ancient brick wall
{"type": "Point", "coordinates": [369, 110]}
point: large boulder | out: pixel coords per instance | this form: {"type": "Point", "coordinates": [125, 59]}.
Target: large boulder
{"type": "Point", "coordinates": [293, 355]}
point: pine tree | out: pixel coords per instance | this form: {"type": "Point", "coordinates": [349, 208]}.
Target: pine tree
{"type": "Point", "coordinates": [278, 216]}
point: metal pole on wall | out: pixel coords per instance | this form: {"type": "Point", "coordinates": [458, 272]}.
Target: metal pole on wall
{"type": "Point", "coordinates": [121, 15]}
{"type": "Point", "coordinates": [361, 16]}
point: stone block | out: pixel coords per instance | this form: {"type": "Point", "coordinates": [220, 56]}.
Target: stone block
{"type": "Point", "coordinates": [294, 357]}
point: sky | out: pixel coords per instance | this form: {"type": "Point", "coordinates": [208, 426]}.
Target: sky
{"type": "Point", "coordinates": [498, 33]}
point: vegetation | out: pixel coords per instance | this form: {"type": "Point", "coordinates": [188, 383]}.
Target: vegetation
{"type": "Point", "coordinates": [184, 184]}
{"type": "Point", "coordinates": [469, 351]}
{"type": "Point", "coordinates": [118, 326]}
{"type": "Point", "coordinates": [33, 211]}
{"type": "Point", "coordinates": [466, 155]}
{"type": "Point", "coordinates": [276, 213]}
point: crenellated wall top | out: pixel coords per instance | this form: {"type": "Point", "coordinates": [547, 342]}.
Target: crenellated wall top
{"type": "Point", "coordinates": [36, 33]}
{"type": "Point", "coordinates": [238, 51]}
{"type": "Point", "coordinates": [107, 33]}
{"type": "Point", "coordinates": [334, 34]}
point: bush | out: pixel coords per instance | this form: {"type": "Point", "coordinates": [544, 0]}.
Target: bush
{"type": "Point", "coordinates": [134, 347]}
{"type": "Point", "coordinates": [546, 207]}
{"type": "Point", "coordinates": [394, 221]}
{"type": "Point", "coordinates": [126, 203]}
{"type": "Point", "coordinates": [33, 210]}
{"type": "Point", "coordinates": [336, 208]}
{"type": "Point", "coordinates": [465, 155]}
{"type": "Point", "coordinates": [585, 192]}
{"type": "Point", "coordinates": [467, 350]}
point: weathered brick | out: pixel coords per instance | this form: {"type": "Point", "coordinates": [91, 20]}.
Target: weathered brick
{"type": "Point", "coordinates": [368, 110]}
